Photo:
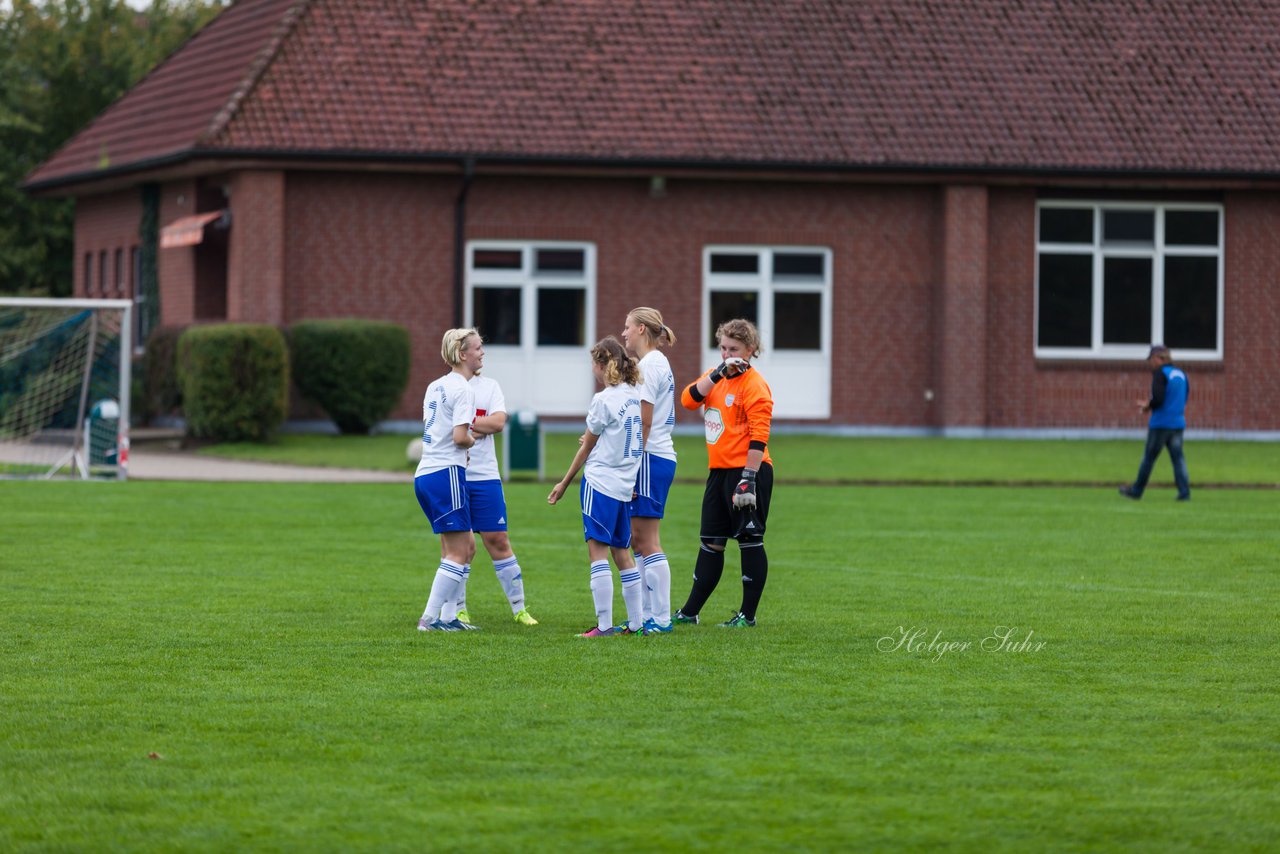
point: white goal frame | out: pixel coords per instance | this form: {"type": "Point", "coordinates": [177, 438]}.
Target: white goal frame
{"type": "Point", "coordinates": [78, 455]}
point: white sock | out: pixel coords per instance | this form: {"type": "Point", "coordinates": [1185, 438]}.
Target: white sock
{"type": "Point", "coordinates": [632, 593]}
{"type": "Point", "coordinates": [645, 608]}
{"type": "Point", "coordinates": [602, 593]}
{"type": "Point", "coordinates": [512, 582]}
{"type": "Point", "coordinates": [657, 576]}
{"type": "Point", "coordinates": [448, 575]}
{"type": "Point", "coordinates": [449, 611]}
{"type": "Point", "coordinates": [461, 598]}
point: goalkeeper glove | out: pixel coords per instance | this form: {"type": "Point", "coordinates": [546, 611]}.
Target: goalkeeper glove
{"type": "Point", "coordinates": [721, 371]}
{"type": "Point", "coordinates": [744, 494]}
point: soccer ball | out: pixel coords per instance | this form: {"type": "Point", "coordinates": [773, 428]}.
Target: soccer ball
{"type": "Point", "coordinates": [414, 451]}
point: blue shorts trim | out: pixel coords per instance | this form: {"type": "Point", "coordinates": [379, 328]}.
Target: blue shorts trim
{"type": "Point", "coordinates": [442, 495]}
{"type": "Point", "coordinates": [488, 505]}
{"type": "Point", "coordinates": [604, 519]}
{"type": "Point", "coordinates": [653, 482]}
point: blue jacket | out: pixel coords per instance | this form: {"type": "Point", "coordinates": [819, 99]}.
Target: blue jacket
{"type": "Point", "coordinates": [1168, 399]}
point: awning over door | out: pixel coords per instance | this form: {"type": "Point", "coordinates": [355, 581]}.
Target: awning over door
{"type": "Point", "coordinates": [187, 230]}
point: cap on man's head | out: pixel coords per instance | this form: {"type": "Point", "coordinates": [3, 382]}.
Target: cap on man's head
{"type": "Point", "coordinates": [1158, 350]}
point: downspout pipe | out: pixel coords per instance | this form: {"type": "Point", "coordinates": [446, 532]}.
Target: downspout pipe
{"type": "Point", "coordinates": [460, 239]}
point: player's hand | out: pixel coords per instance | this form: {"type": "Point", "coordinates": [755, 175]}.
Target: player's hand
{"type": "Point", "coordinates": [557, 492]}
{"type": "Point", "coordinates": [744, 494]}
{"type": "Point", "coordinates": [729, 368]}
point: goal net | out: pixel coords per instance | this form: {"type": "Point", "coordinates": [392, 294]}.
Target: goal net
{"type": "Point", "coordinates": [64, 388]}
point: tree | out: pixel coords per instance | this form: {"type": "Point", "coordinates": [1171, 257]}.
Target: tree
{"type": "Point", "coordinates": [62, 63]}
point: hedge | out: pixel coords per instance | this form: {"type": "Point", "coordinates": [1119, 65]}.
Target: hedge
{"type": "Point", "coordinates": [234, 379]}
{"type": "Point", "coordinates": [355, 369]}
{"type": "Point", "coordinates": [162, 394]}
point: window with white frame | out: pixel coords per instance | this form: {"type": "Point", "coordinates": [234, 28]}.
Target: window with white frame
{"type": "Point", "coordinates": [531, 293]}
{"type": "Point", "coordinates": [534, 303]}
{"type": "Point", "coordinates": [786, 292]}
{"type": "Point", "coordinates": [1112, 278]}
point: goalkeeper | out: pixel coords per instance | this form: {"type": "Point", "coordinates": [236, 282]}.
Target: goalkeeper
{"type": "Point", "coordinates": [737, 410]}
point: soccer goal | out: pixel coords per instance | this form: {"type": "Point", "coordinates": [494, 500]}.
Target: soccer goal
{"type": "Point", "coordinates": [64, 388]}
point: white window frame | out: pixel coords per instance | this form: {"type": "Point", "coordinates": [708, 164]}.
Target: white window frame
{"type": "Point", "coordinates": [763, 284]}
{"type": "Point", "coordinates": [531, 386]}
{"type": "Point", "coordinates": [1156, 252]}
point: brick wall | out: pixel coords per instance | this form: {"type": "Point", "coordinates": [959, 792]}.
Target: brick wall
{"type": "Point", "coordinates": [912, 314]}
{"type": "Point", "coordinates": [256, 255]}
{"type": "Point", "coordinates": [106, 224]}
{"type": "Point", "coordinates": [176, 268]}
{"type": "Point", "coordinates": [1238, 393]}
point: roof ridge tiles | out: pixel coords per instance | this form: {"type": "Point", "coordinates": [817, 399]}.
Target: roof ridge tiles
{"type": "Point", "coordinates": [257, 68]}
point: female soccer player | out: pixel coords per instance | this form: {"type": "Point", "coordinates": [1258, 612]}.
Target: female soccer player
{"type": "Point", "coordinates": [643, 334]}
{"type": "Point", "coordinates": [440, 482]}
{"type": "Point", "coordinates": [737, 410]}
{"type": "Point", "coordinates": [611, 449]}
{"type": "Point", "coordinates": [489, 505]}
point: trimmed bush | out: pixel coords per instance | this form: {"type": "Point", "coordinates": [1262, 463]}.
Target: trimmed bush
{"type": "Point", "coordinates": [162, 394]}
{"type": "Point", "coordinates": [234, 379]}
{"type": "Point", "coordinates": [356, 370]}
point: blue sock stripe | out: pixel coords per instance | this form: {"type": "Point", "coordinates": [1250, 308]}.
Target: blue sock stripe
{"type": "Point", "coordinates": [654, 558]}
{"type": "Point", "coordinates": [628, 577]}
{"type": "Point", "coordinates": [506, 564]}
{"type": "Point", "coordinates": [453, 569]}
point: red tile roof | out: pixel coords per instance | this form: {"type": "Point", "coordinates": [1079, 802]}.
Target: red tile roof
{"type": "Point", "coordinates": [1170, 86]}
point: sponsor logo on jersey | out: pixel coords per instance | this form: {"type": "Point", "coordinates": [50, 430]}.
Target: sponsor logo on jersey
{"type": "Point", "coordinates": [713, 423]}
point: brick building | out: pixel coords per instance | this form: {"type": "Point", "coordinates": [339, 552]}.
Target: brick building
{"type": "Point", "coordinates": [963, 216]}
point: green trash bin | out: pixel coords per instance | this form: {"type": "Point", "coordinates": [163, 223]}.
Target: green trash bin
{"type": "Point", "coordinates": [522, 447]}
{"type": "Point", "coordinates": [102, 433]}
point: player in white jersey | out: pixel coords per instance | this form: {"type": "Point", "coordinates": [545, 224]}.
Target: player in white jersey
{"type": "Point", "coordinates": [489, 505]}
{"type": "Point", "coordinates": [440, 483]}
{"type": "Point", "coordinates": [644, 334]}
{"type": "Point", "coordinates": [609, 457]}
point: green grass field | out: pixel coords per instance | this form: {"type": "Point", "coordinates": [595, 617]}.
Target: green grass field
{"type": "Point", "coordinates": [259, 640]}
{"type": "Point", "coordinates": [835, 459]}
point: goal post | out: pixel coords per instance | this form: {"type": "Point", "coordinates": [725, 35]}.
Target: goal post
{"type": "Point", "coordinates": [64, 387]}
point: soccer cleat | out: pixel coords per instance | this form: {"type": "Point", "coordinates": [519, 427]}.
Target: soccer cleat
{"type": "Point", "coordinates": [682, 618]}
{"type": "Point", "coordinates": [738, 621]}
{"type": "Point", "coordinates": [464, 616]}
{"type": "Point", "coordinates": [625, 629]}
{"type": "Point", "coordinates": [653, 627]}
{"type": "Point", "coordinates": [1128, 492]}
{"type": "Point", "coordinates": [597, 632]}
{"type": "Point", "coordinates": [425, 625]}
{"type": "Point", "coordinates": [524, 618]}
{"type": "Point", "coordinates": [459, 625]}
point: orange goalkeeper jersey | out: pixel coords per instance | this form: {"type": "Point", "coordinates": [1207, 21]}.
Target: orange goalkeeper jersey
{"type": "Point", "coordinates": [737, 412]}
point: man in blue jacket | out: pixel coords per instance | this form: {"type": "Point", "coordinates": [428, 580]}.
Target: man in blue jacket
{"type": "Point", "coordinates": [1168, 419]}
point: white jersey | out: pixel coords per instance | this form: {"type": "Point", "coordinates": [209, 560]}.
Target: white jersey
{"type": "Point", "coordinates": [658, 386]}
{"type": "Point", "coordinates": [614, 416]}
{"type": "Point", "coordinates": [448, 403]}
{"type": "Point", "coordinates": [488, 401]}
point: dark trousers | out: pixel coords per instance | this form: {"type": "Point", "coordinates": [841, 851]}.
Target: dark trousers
{"type": "Point", "coordinates": [1157, 438]}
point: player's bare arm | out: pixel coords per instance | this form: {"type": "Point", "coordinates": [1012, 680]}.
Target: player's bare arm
{"type": "Point", "coordinates": [462, 436]}
{"type": "Point", "coordinates": [489, 425]}
{"type": "Point", "coordinates": [585, 444]}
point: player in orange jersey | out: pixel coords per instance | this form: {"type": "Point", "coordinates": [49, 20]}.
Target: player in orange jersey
{"type": "Point", "coordinates": [737, 408]}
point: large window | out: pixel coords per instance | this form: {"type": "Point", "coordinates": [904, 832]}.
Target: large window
{"type": "Point", "coordinates": [1113, 278]}
{"type": "Point", "coordinates": [786, 293]}
{"type": "Point", "coordinates": [534, 303]}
